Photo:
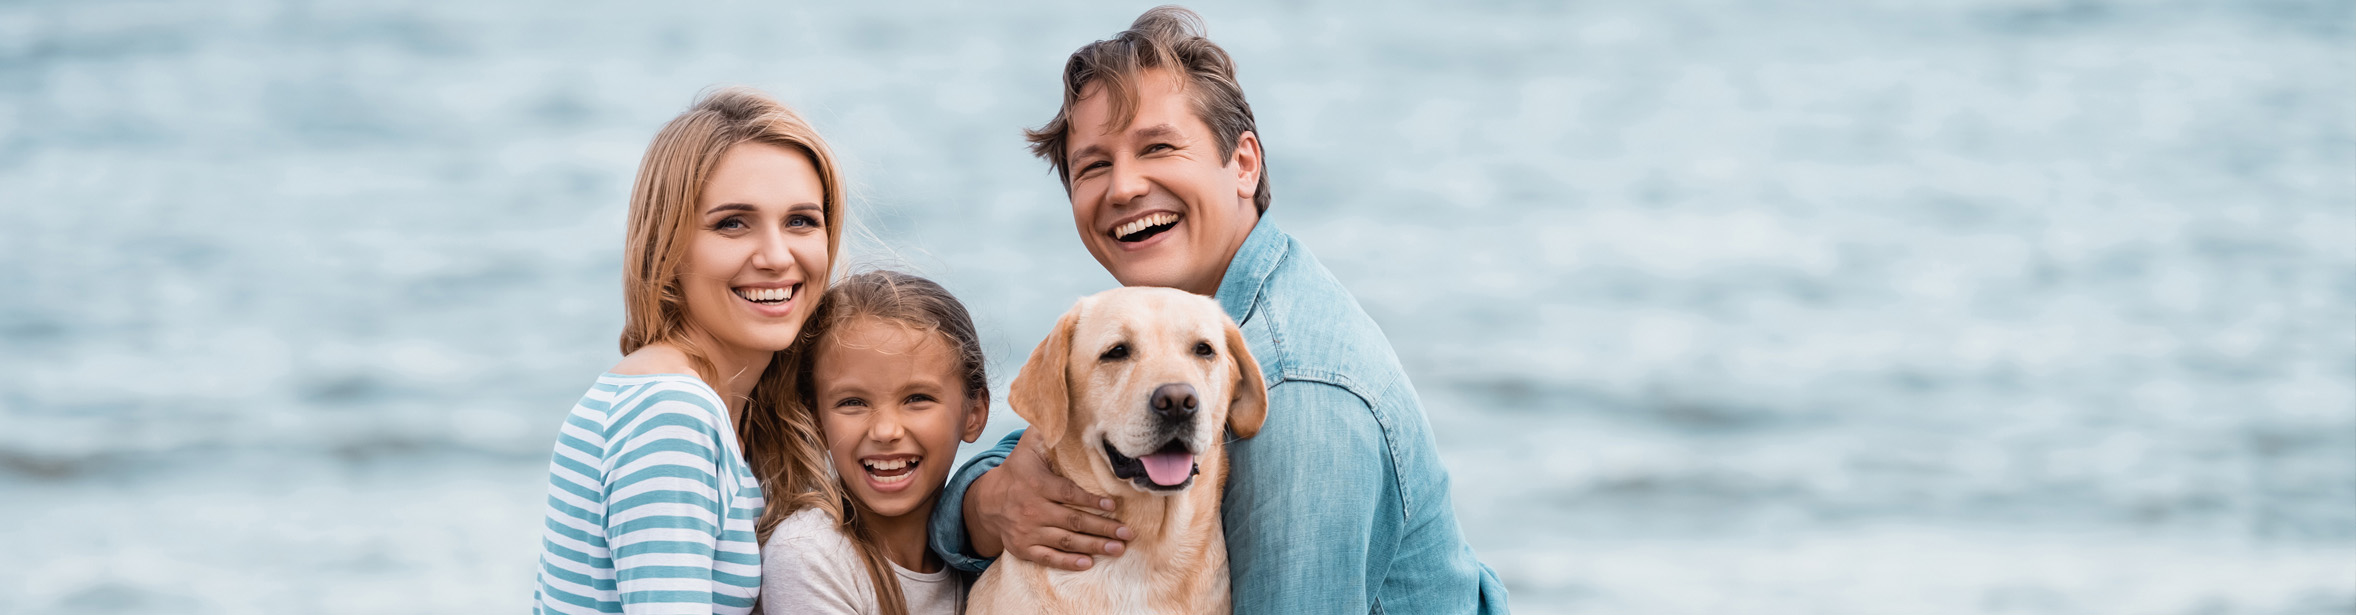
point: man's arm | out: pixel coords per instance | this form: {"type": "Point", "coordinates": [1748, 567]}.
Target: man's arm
{"type": "Point", "coordinates": [1007, 500]}
{"type": "Point", "coordinates": [1304, 502]}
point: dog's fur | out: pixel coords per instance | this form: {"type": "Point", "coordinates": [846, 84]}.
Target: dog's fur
{"type": "Point", "coordinates": [1080, 402]}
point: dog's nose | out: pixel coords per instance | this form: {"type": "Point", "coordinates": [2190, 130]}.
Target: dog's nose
{"type": "Point", "coordinates": [1174, 401]}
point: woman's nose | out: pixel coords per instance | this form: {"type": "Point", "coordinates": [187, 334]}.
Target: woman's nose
{"type": "Point", "coordinates": [772, 254]}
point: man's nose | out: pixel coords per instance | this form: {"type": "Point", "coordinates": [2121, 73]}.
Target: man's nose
{"type": "Point", "coordinates": [1175, 402]}
{"type": "Point", "coordinates": [1127, 184]}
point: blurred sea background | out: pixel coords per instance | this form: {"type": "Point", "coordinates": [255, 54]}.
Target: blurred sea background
{"type": "Point", "coordinates": [1924, 307]}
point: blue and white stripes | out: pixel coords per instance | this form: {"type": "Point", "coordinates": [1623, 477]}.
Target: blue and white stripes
{"type": "Point", "coordinates": [650, 504]}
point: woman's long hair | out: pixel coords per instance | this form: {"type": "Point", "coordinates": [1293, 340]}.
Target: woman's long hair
{"type": "Point", "coordinates": [901, 299]}
{"type": "Point", "coordinates": [779, 439]}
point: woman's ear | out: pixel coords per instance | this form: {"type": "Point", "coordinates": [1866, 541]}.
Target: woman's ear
{"type": "Point", "coordinates": [977, 416]}
{"type": "Point", "coordinates": [1247, 409]}
{"type": "Point", "coordinates": [1042, 393]}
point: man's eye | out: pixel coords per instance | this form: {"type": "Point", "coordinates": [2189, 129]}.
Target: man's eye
{"type": "Point", "coordinates": [1116, 353]}
{"type": "Point", "coordinates": [1203, 349]}
{"type": "Point", "coordinates": [1157, 147]}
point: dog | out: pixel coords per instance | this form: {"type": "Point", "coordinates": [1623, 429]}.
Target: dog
{"type": "Point", "coordinates": [1132, 395]}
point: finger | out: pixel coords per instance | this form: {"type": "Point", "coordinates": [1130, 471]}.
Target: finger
{"type": "Point", "coordinates": [1041, 555]}
{"type": "Point", "coordinates": [1063, 491]}
{"type": "Point", "coordinates": [1092, 525]}
{"type": "Point", "coordinates": [1079, 544]}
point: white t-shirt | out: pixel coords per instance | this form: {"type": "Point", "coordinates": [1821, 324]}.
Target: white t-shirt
{"type": "Point", "coordinates": [810, 567]}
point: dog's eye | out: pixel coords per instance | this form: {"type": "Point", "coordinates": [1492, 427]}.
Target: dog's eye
{"type": "Point", "coordinates": [1203, 349]}
{"type": "Point", "coordinates": [1116, 353]}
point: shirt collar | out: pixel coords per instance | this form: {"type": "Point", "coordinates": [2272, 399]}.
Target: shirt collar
{"type": "Point", "coordinates": [1249, 270]}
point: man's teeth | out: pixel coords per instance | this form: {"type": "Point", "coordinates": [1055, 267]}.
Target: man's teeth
{"type": "Point", "coordinates": [1150, 221]}
{"type": "Point", "coordinates": [766, 294]}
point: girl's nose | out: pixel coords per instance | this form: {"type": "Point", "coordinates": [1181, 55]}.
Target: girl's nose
{"type": "Point", "coordinates": [886, 427]}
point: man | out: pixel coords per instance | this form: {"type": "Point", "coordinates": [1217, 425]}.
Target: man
{"type": "Point", "coordinates": [1340, 505]}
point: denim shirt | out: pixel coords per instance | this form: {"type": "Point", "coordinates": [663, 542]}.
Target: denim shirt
{"type": "Point", "coordinates": [1340, 504]}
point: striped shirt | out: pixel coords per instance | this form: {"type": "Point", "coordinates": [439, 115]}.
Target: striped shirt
{"type": "Point", "coordinates": [650, 504]}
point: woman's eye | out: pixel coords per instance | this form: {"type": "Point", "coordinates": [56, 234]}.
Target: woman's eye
{"type": "Point", "coordinates": [800, 221]}
{"type": "Point", "coordinates": [728, 224]}
{"type": "Point", "coordinates": [1203, 349]}
{"type": "Point", "coordinates": [1116, 353]}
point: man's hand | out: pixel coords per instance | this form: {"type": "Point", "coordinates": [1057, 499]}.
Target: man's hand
{"type": "Point", "coordinates": [1022, 508]}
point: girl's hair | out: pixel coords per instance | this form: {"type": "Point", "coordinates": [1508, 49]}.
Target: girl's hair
{"type": "Point", "coordinates": [780, 442]}
{"type": "Point", "coordinates": [901, 299]}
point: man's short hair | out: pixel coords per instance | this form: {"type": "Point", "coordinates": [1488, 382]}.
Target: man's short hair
{"type": "Point", "coordinates": [1168, 36]}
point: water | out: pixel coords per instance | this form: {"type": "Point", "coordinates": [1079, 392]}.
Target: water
{"type": "Point", "coordinates": [1788, 307]}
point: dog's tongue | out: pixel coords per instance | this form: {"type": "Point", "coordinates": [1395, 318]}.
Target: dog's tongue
{"type": "Point", "coordinates": [1168, 469]}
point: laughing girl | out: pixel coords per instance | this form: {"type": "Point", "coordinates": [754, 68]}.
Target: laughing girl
{"type": "Point", "coordinates": [895, 381]}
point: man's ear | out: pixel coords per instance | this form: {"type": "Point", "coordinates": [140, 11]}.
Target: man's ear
{"type": "Point", "coordinates": [1247, 165]}
{"type": "Point", "coordinates": [977, 416]}
{"type": "Point", "coordinates": [1247, 409]}
{"type": "Point", "coordinates": [1042, 393]}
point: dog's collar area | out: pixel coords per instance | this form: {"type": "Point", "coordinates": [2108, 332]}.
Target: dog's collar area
{"type": "Point", "coordinates": [1133, 469]}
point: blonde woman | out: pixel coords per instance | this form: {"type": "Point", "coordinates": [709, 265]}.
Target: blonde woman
{"type": "Point", "coordinates": [655, 492]}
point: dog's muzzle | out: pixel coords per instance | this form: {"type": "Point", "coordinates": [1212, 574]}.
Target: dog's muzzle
{"type": "Point", "coordinates": [1170, 468]}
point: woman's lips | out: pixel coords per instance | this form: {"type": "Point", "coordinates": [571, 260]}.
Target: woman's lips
{"type": "Point", "coordinates": [770, 301]}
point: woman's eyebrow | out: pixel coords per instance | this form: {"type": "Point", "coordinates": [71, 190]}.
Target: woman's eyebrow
{"type": "Point", "coordinates": [806, 207]}
{"type": "Point", "coordinates": [729, 207]}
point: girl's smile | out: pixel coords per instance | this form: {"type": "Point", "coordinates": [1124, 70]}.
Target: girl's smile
{"type": "Point", "coordinates": [890, 400]}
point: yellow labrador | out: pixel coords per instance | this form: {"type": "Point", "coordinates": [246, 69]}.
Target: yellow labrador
{"type": "Point", "coordinates": [1131, 395]}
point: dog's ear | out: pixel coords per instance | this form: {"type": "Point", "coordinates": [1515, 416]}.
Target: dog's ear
{"type": "Point", "coordinates": [1042, 393]}
{"type": "Point", "coordinates": [1247, 408]}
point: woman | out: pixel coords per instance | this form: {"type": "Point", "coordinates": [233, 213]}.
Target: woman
{"type": "Point", "coordinates": [652, 506]}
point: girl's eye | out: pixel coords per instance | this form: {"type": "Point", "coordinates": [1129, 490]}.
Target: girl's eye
{"type": "Point", "coordinates": [919, 398]}
{"type": "Point", "coordinates": [1116, 353]}
{"type": "Point", "coordinates": [851, 402]}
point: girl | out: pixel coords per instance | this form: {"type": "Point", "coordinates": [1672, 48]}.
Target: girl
{"type": "Point", "coordinates": [895, 381]}
{"type": "Point", "coordinates": [734, 220]}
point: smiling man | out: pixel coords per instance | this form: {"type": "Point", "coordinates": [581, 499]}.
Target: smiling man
{"type": "Point", "coordinates": [1339, 504]}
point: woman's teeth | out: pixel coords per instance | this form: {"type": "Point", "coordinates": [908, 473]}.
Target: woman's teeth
{"type": "Point", "coordinates": [767, 295]}
{"type": "Point", "coordinates": [1149, 221]}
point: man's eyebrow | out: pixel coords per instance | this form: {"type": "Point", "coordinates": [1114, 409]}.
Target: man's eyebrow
{"type": "Point", "coordinates": [1090, 150]}
{"type": "Point", "coordinates": [1158, 131]}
